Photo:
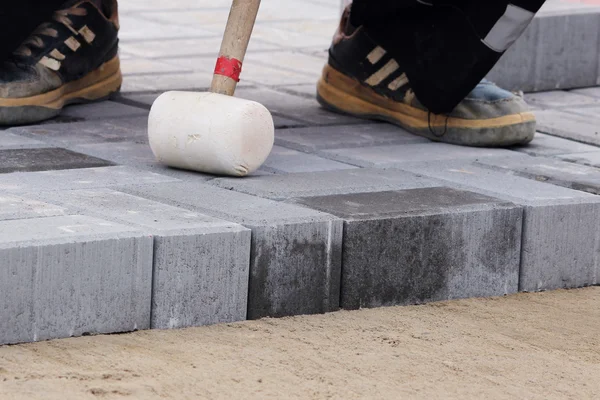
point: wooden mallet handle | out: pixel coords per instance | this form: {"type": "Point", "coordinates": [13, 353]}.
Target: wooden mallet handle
{"type": "Point", "coordinates": [233, 48]}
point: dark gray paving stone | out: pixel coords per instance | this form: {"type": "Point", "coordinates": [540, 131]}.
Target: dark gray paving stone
{"type": "Point", "coordinates": [280, 187]}
{"type": "Point", "coordinates": [295, 262]}
{"type": "Point", "coordinates": [282, 160]}
{"type": "Point", "coordinates": [559, 50]}
{"type": "Point", "coordinates": [547, 145]}
{"type": "Point", "coordinates": [63, 135]}
{"type": "Point", "coordinates": [559, 99]}
{"type": "Point", "coordinates": [556, 172]}
{"type": "Point", "coordinates": [201, 264]}
{"type": "Point", "coordinates": [561, 234]}
{"type": "Point", "coordinates": [89, 178]}
{"type": "Point", "coordinates": [423, 245]}
{"type": "Point", "coordinates": [72, 275]}
{"type": "Point", "coordinates": [562, 123]}
{"type": "Point", "coordinates": [391, 156]}
{"type": "Point", "coordinates": [46, 159]}
{"type": "Point", "coordinates": [316, 138]}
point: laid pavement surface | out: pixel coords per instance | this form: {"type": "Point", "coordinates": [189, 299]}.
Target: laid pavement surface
{"type": "Point", "coordinates": [97, 237]}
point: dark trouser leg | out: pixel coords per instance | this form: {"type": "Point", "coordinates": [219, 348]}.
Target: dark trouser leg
{"type": "Point", "coordinates": [446, 47]}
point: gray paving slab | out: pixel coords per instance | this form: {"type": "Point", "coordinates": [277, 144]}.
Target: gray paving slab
{"type": "Point", "coordinates": [559, 50]}
{"type": "Point", "coordinates": [393, 155]}
{"type": "Point", "coordinates": [559, 99]}
{"type": "Point", "coordinates": [88, 178]}
{"type": "Point", "coordinates": [46, 159]}
{"type": "Point", "coordinates": [295, 260]}
{"type": "Point", "coordinates": [591, 91]}
{"type": "Point", "coordinates": [103, 110]}
{"type": "Point", "coordinates": [282, 160]}
{"type": "Point", "coordinates": [279, 187]}
{"type": "Point", "coordinates": [315, 138]}
{"type": "Point", "coordinates": [557, 172]}
{"type": "Point", "coordinates": [547, 145]}
{"type": "Point", "coordinates": [423, 245]}
{"type": "Point", "coordinates": [9, 140]}
{"type": "Point", "coordinates": [68, 134]}
{"type": "Point", "coordinates": [201, 264]}
{"type": "Point", "coordinates": [19, 207]}
{"type": "Point", "coordinates": [589, 158]}
{"type": "Point", "coordinates": [72, 275]}
{"type": "Point", "coordinates": [560, 232]}
{"type": "Point", "coordinates": [569, 125]}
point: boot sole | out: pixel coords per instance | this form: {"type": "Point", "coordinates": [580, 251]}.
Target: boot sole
{"type": "Point", "coordinates": [97, 85]}
{"type": "Point", "coordinates": [340, 93]}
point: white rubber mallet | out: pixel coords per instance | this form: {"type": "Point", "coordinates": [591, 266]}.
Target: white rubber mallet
{"type": "Point", "coordinates": [214, 132]}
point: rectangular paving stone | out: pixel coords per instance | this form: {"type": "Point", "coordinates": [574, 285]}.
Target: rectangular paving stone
{"type": "Point", "coordinates": [295, 262]}
{"type": "Point", "coordinates": [18, 207]}
{"type": "Point", "coordinates": [201, 263]}
{"type": "Point", "coordinates": [423, 245]}
{"type": "Point", "coordinates": [103, 110]}
{"type": "Point", "coordinates": [569, 125]}
{"type": "Point", "coordinates": [9, 140]}
{"type": "Point", "coordinates": [279, 187]}
{"type": "Point", "coordinates": [561, 233]}
{"type": "Point", "coordinates": [282, 160]}
{"type": "Point", "coordinates": [46, 159]}
{"type": "Point", "coordinates": [559, 50]}
{"type": "Point", "coordinates": [88, 178]}
{"type": "Point", "coordinates": [547, 145]}
{"type": "Point", "coordinates": [591, 91]}
{"type": "Point", "coordinates": [393, 155]}
{"type": "Point", "coordinates": [315, 138]}
{"type": "Point", "coordinates": [557, 172]}
{"type": "Point", "coordinates": [559, 99]}
{"type": "Point", "coordinates": [590, 158]}
{"type": "Point", "coordinates": [72, 275]}
{"type": "Point", "coordinates": [64, 135]}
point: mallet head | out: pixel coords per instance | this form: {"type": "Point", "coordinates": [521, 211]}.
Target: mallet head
{"type": "Point", "coordinates": [211, 133]}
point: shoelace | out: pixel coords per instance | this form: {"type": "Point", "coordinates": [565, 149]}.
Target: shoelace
{"type": "Point", "coordinates": [35, 40]}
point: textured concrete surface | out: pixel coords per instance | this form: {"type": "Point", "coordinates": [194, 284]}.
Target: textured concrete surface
{"type": "Point", "coordinates": [71, 275]}
{"type": "Point", "coordinates": [218, 249]}
{"type": "Point", "coordinates": [422, 245]}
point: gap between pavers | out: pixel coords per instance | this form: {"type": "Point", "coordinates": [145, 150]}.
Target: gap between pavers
{"type": "Point", "coordinates": [200, 265]}
{"type": "Point", "coordinates": [70, 275]}
{"type": "Point", "coordinates": [295, 259]}
{"type": "Point", "coordinates": [561, 234]}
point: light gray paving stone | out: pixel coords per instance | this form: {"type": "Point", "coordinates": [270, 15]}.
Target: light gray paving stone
{"type": "Point", "coordinates": [201, 263]}
{"type": "Point", "coordinates": [590, 158]}
{"type": "Point", "coordinates": [559, 50]}
{"type": "Point", "coordinates": [64, 135]}
{"type": "Point", "coordinates": [295, 259]}
{"type": "Point", "coordinates": [9, 140]}
{"type": "Point", "coordinates": [134, 28]}
{"type": "Point", "coordinates": [562, 123]}
{"type": "Point", "coordinates": [282, 160]}
{"type": "Point", "coordinates": [547, 145]}
{"type": "Point", "coordinates": [72, 275]}
{"type": "Point", "coordinates": [316, 138]}
{"type": "Point", "coordinates": [557, 172]}
{"type": "Point", "coordinates": [561, 234]}
{"type": "Point", "coordinates": [279, 187]}
{"type": "Point", "coordinates": [559, 99]}
{"type": "Point", "coordinates": [591, 91]}
{"type": "Point", "coordinates": [394, 155]}
{"type": "Point", "coordinates": [18, 207]}
{"type": "Point", "coordinates": [88, 178]}
{"type": "Point", "coordinates": [103, 110]}
{"type": "Point", "coordinates": [145, 66]}
{"type": "Point", "coordinates": [423, 245]}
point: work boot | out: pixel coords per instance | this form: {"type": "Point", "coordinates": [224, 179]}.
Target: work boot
{"type": "Point", "coordinates": [70, 59]}
{"type": "Point", "coordinates": [362, 79]}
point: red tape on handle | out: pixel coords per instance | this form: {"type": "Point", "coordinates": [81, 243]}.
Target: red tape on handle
{"type": "Point", "coordinates": [229, 67]}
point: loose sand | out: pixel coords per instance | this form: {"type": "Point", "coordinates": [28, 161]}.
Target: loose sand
{"type": "Point", "coordinates": [529, 346]}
